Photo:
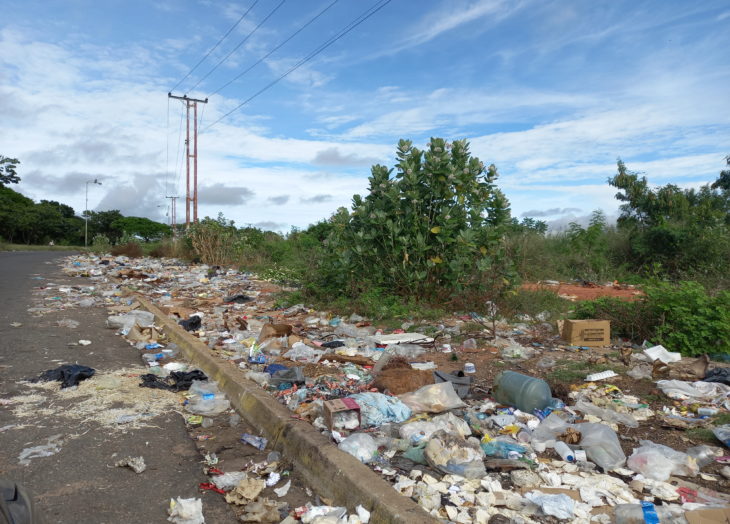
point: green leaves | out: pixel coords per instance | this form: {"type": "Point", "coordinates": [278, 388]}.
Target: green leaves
{"type": "Point", "coordinates": [416, 230]}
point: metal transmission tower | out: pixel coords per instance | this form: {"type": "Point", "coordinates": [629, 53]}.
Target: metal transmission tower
{"type": "Point", "coordinates": [173, 217]}
{"type": "Point", "coordinates": [191, 103]}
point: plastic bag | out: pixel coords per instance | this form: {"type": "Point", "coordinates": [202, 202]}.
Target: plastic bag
{"type": "Point", "coordinates": [502, 448]}
{"type": "Point", "coordinates": [659, 462]}
{"type": "Point", "coordinates": [601, 445]}
{"type": "Point", "coordinates": [607, 415]}
{"type": "Point", "coordinates": [451, 454]}
{"type": "Point", "coordinates": [723, 434]}
{"type": "Point", "coordinates": [376, 409]}
{"type": "Point", "coordinates": [421, 431]}
{"type": "Point", "coordinates": [433, 398]}
{"type": "Point", "coordinates": [206, 399]}
{"type": "Point", "coordinates": [361, 446]}
{"type": "Point", "coordinates": [560, 506]}
{"type": "Point", "coordinates": [300, 352]}
{"type": "Point", "coordinates": [186, 511]}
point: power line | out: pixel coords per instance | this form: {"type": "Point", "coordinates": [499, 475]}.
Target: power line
{"type": "Point", "coordinates": [245, 39]}
{"type": "Point", "coordinates": [267, 55]}
{"type": "Point", "coordinates": [216, 45]}
{"type": "Point", "coordinates": [352, 25]}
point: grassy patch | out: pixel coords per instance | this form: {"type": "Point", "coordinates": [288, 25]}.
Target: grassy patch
{"type": "Point", "coordinates": [703, 434]}
{"type": "Point", "coordinates": [721, 419]}
{"type": "Point", "coordinates": [27, 247]}
{"type": "Point", "coordinates": [576, 370]}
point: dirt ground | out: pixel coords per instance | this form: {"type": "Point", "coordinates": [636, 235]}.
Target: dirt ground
{"type": "Point", "coordinates": [587, 291]}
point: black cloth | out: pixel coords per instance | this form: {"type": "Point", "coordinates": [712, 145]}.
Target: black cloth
{"type": "Point", "coordinates": [177, 381]}
{"type": "Point", "coordinates": [721, 375]}
{"type": "Point", "coordinates": [68, 375]}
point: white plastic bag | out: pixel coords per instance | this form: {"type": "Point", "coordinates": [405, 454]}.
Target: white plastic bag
{"type": "Point", "coordinates": [361, 446]}
{"type": "Point", "coordinates": [659, 462]}
{"type": "Point", "coordinates": [300, 352]}
{"type": "Point", "coordinates": [434, 398]}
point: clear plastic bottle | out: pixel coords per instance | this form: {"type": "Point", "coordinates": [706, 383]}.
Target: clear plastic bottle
{"type": "Point", "coordinates": [646, 513]}
{"type": "Point", "coordinates": [525, 393]}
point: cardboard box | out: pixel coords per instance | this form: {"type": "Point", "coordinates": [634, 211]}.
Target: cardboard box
{"type": "Point", "coordinates": [708, 516]}
{"type": "Point", "coordinates": [337, 406]}
{"type": "Point", "coordinates": [587, 332]}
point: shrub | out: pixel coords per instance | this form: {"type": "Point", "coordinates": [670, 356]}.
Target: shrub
{"type": "Point", "coordinates": [683, 317]}
{"type": "Point", "coordinates": [430, 230]}
{"type": "Point", "coordinates": [216, 242]}
{"type": "Point", "coordinates": [690, 320]}
{"type": "Point", "coordinates": [100, 244]}
{"type": "Point", "coordinates": [130, 249]}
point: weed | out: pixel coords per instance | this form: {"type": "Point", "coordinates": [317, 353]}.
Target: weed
{"type": "Point", "coordinates": [575, 370]}
{"type": "Point", "coordinates": [539, 303]}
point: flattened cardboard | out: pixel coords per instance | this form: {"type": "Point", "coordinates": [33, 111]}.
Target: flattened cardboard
{"type": "Point", "coordinates": [592, 333]}
{"type": "Point", "coordinates": [708, 516]}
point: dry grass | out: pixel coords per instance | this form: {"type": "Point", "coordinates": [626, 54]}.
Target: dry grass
{"type": "Point", "coordinates": [102, 399]}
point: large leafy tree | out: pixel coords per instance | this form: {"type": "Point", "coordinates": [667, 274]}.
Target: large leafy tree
{"type": "Point", "coordinates": [8, 170]}
{"type": "Point", "coordinates": [682, 230]}
{"type": "Point", "coordinates": [142, 227]}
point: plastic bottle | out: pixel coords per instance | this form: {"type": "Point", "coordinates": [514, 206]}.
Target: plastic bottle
{"type": "Point", "coordinates": [644, 513]}
{"type": "Point", "coordinates": [152, 357]}
{"type": "Point", "coordinates": [525, 393]}
{"type": "Point", "coordinates": [562, 449]}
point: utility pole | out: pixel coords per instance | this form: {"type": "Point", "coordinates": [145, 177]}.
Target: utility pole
{"type": "Point", "coordinates": [191, 103]}
{"type": "Point", "coordinates": [173, 220]}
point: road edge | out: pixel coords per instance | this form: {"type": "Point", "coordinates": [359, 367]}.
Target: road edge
{"type": "Point", "coordinates": [336, 474]}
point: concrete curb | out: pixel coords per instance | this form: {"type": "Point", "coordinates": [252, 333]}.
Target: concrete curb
{"type": "Point", "coordinates": [333, 473]}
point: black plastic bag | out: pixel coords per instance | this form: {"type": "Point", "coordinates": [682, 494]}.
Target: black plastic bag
{"type": "Point", "coordinates": [68, 375]}
{"type": "Point", "coordinates": [238, 299]}
{"type": "Point", "coordinates": [721, 375]}
{"type": "Point", "coordinates": [177, 381]}
{"type": "Point", "coordinates": [191, 324]}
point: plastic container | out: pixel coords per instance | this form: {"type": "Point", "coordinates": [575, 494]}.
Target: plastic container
{"type": "Point", "coordinates": [470, 368]}
{"type": "Point", "coordinates": [562, 449]}
{"type": "Point", "coordinates": [646, 513]}
{"type": "Point", "coordinates": [525, 393]}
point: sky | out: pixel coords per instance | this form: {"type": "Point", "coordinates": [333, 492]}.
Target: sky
{"type": "Point", "coordinates": [551, 92]}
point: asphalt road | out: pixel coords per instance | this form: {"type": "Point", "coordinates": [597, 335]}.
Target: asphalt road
{"type": "Point", "coordinates": [79, 483]}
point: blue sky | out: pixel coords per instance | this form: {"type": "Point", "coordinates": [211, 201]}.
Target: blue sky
{"type": "Point", "coordinates": [551, 92]}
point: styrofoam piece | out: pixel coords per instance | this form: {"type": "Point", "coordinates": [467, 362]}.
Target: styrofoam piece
{"type": "Point", "coordinates": [402, 338]}
{"type": "Point", "coordinates": [601, 376]}
{"type": "Point", "coordinates": [661, 353]}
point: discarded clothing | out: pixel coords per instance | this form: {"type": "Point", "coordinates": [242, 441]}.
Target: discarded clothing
{"type": "Point", "coordinates": [68, 375]}
{"type": "Point", "coordinates": [191, 324]}
{"type": "Point", "coordinates": [721, 375]}
{"type": "Point", "coordinates": [177, 381]}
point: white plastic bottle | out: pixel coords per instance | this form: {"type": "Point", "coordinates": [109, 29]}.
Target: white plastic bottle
{"type": "Point", "coordinates": [562, 449]}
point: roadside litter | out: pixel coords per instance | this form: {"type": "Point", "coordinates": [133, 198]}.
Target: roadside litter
{"type": "Point", "coordinates": [510, 426]}
{"type": "Point", "coordinates": [68, 375]}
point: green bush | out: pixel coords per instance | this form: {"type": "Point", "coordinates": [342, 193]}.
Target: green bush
{"type": "Point", "coordinates": [682, 317]}
{"type": "Point", "coordinates": [690, 320]}
{"type": "Point", "coordinates": [431, 229]}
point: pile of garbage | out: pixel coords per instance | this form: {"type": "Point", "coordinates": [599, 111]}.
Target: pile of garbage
{"type": "Point", "coordinates": [465, 453]}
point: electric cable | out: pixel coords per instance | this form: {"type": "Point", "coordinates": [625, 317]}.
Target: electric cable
{"type": "Point", "coordinates": [352, 25]}
{"type": "Point", "coordinates": [215, 46]}
{"type": "Point", "coordinates": [267, 55]}
{"type": "Point", "coordinates": [245, 39]}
